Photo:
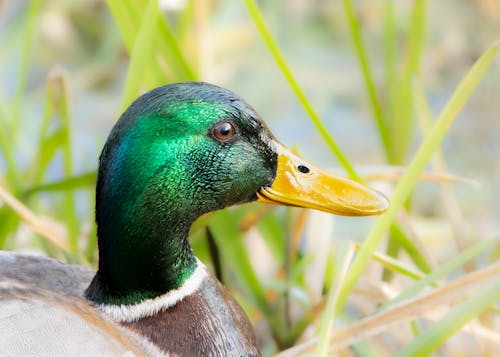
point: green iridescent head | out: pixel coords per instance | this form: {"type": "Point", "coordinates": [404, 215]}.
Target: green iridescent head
{"type": "Point", "coordinates": [178, 152]}
{"type": "Point", "coordinates": [187, 148]}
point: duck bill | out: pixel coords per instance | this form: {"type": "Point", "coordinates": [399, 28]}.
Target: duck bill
{"type": "Point", "coordinates": [298, 183]}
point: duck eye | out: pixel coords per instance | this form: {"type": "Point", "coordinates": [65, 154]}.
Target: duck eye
{"type": "Point", "coordinates": [223, 131]}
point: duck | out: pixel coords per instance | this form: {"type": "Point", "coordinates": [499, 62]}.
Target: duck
{"type": "Point", "coordinates": [177, 152]}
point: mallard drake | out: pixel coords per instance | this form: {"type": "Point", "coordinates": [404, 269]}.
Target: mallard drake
{"type": "Point", "coordinates": [178, 152]}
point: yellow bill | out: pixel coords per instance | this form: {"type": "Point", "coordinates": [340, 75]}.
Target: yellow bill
{"type": "Point", "coordinates": [298, 183]}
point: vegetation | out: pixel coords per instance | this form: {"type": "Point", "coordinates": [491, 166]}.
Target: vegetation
{"type": "Point", "coordinates": [366, 291]}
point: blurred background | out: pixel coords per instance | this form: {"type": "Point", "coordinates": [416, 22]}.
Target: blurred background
{"type": "Point", "coordinates": [82, 38]}
{"type": "Point", "coordinates": [73, 52]}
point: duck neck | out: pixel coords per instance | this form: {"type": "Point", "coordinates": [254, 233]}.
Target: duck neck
{"type": "Point", "coordinates": [142, 255]}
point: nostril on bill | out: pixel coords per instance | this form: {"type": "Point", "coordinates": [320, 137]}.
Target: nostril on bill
{"type": "Point", "coordinates": [303, 169]}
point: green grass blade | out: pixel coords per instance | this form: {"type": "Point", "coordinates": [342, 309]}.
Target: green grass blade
{"type": "Point", "coordinates": [47, 149]}
{"type": "Point", "coordinates": [7, 147]}
{"type": "Point", "coordinates": [271, 44]}
{"type": "Point", "coordinates": [402, 240]}
{"type": "Point", "coordinates": [12, 125]}
{"type": "Point", "coordinates": [394, 265]}
{"type": "Point", "coordinates": [168, 47]}
{"type": "Point", "coordinates": [368, 78]}
{"type": "Point", "coordinates": [391, 92]}
{"type": "Point", "coordinates": [448, 196]}
{"type": "Point", "coordinates": [26, 46]}
{"type": "Point", "coordinates": [411, 176]}
{"type": "Point", "coordinates": [171, 51]}
{"type": "Point", "coordinates": [272, 232]}
{"type": "Point", "coordinates": [58, 84]}
{"type": "Point", "coordinates": [10, 221]}
{"type": "Point", "coordinates": [392, 250]}
{"type": "Point", "coordinates": [185, 21]}
{"type": "Point", "coordinates": [127, 21]}
{"type": "Point", "coordinates": [438, 333]}
{"type": "Point", "coordinates": [224, 226]}
{"type": "Point", "coordinates": [403, 110]}
{"type": "Point", "coordinates": [446, 268]}
{"type": "Point", "coordinates": [141, 54]}
{"type": "Point", "coordinates": [47, 143]}
{"type": "Point", "coordinates": [126, 15]}
{"type": "Point", "coordinates": [344, 256]}
{"type": "Point", "coordinates": [390, 59]}
{"type": "Point", "coordinates": [86, 180]}
{"type": "Point", "coordinates": [91, 248]}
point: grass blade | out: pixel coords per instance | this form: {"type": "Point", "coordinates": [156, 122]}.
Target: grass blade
{"type": "Point", "coordinates": [12, 126]}
{"type": "Point", "coordinates": [444, 269]}
{"type": "Point", "coordinates": [126, 15]}
{"type": "Point", "coordinates": [403, 240]}
{"type": "Point", "coordinates": [410, 178]}
{"type": "Point", "coordinates": [171, 51]}
{"type": "Point", "coordinates": [57, 85]}
{"type": "Point", "coordinates": [343, 260]}
{"type": "Point", "coordinates": [361, 330]}
{"type": "Point", "coordinates": [394, 265]}
{"type": "Point", "coordinates": [141, 54]}
{"type": "Point", "coordinates": [271, 44]}
{"type": "Point", "coordinates": [127, 22]}
{"type": "Point", "coordinates": [227, 235]}
{"type": "Point", "coordinates": [450, 202]}
{"type": "Point", "coordinates": [49, 230]}
{"type": "Point", "coordinates": [436, 335]}
{"type": "Point", "coordinates": [273, 234]}
{"type": "Point", "coordinates": [26, 45]}
{"type": "Point", "coordinates": [86, 180]}
{"type": "Point", "coordinates": [10, 222]}
{"type": "Point", "coordinates": [390, 59]}
{"type": "Point", "coordinates": [368, 78]}
{"type": "Point", "coordinates": [403, 114]}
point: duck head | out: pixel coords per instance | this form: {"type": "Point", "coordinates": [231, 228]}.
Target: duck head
{"type": "Point", "coordinates": [183, 150]}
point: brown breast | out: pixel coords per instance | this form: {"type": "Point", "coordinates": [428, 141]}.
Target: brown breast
{"type": "Point", "coordinates": [206, 323]}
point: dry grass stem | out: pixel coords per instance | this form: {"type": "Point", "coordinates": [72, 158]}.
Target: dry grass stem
{"type": "Point", "coordinates": [421, 306]}
{"type": "Point", "coordinates": [298, 231]}
{"type": "Point", "coordinates": [433, 176]}
{"type": "Point", "coordinates": [49, 229]}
